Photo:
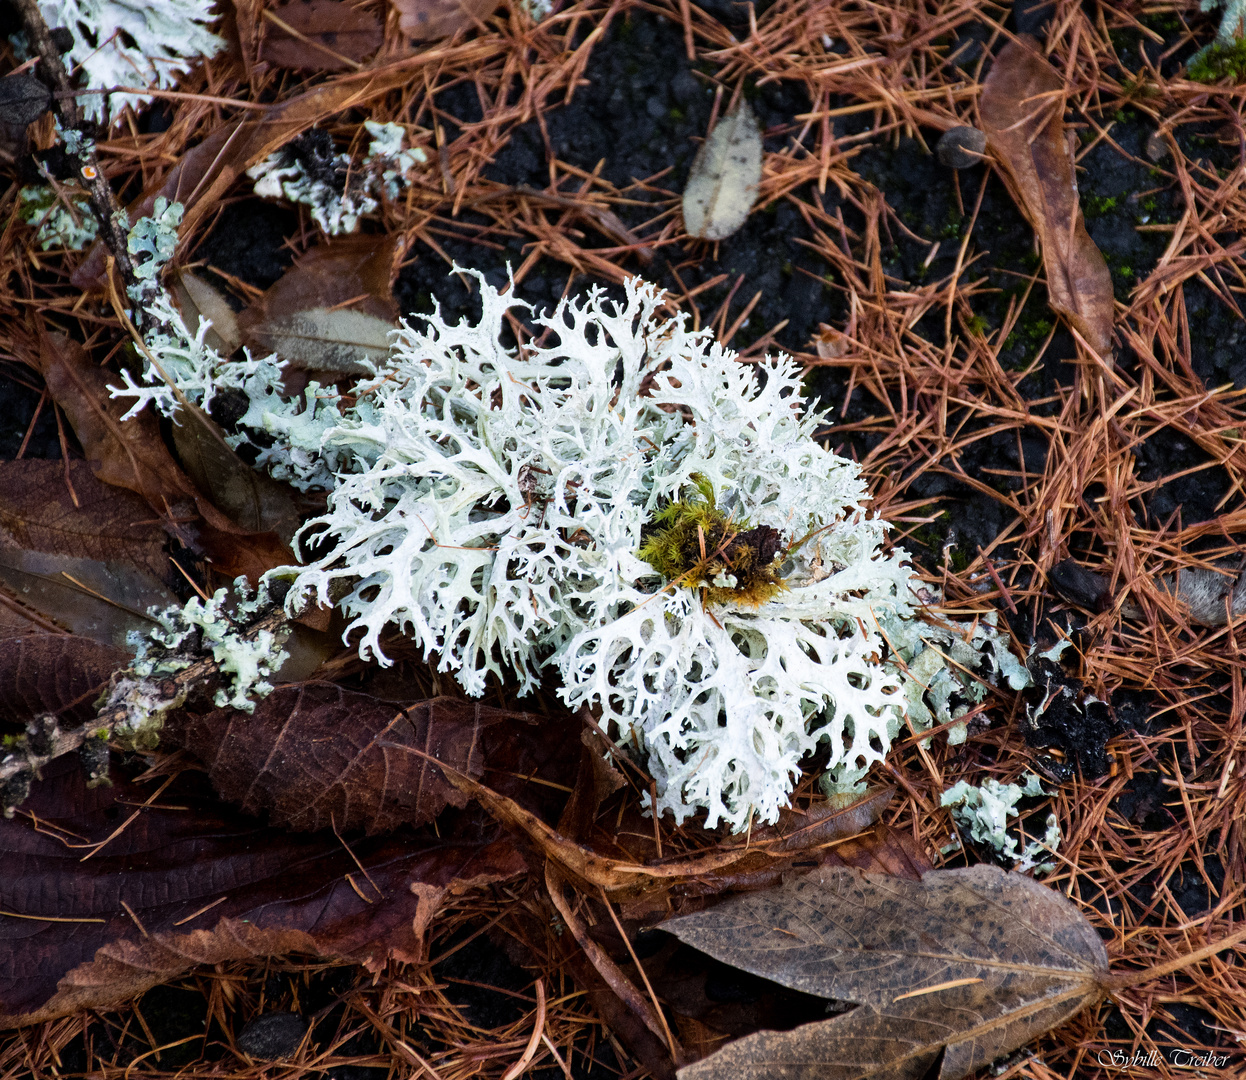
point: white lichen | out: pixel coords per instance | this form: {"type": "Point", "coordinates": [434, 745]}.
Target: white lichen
{"type": "Point", "coordinates": [337, 193]}
{"type": "Point", "coordinates": [494, 504]}
{"type": "Point", "coordinates": [497, 502]}
{"type": "Point", "coordinates": [132, 43]}
{"type": "Point", "coordinates": [984, 812]}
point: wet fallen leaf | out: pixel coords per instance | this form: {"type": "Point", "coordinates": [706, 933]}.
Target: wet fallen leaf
{"type": "Point", "coordinates": [316, 756]}
{"type": "Point", "coordinates": [57, 673]}
{"type": "Point", "coordinates": [722, 185]}
{"type": "Point", "coordinates": [100, 600]}
{"type": "Point", "coordinates": [426, 20]}
{"type": "Point", "coordinates": [969, 963]}
{"type": "Point", "coordinates": [131, 454]}
{"type": "Point", "coordinates": [331, 310]}
{"type": "Point", "coordinates": [188, 882]}
{"type": "Point", "coordinates": [64, 509]}
{"type": "Point", "coordinates": [94, 568]}
{"type": "Point", "coordinates": [197, 300]}
{"type": "Point", "coordinates": [253, 500]}
{"type": "Point", "coordinates": [328, 35]}
{"type": "Point", "coordinates": [1022, 110]}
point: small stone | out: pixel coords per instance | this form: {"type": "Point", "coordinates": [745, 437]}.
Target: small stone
{"type": "Point", "coordinates": [1078, 585]}
{"type": "Point", "coordinates": [63, 39]}
{"type": "Point", "coordinates": [961, 147]}
{"type": "Point", "coordinates": [1156, 147]}
{"type": "Point", "coordinates": [272, 1036]}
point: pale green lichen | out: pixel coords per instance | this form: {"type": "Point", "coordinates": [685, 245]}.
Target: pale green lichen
{"type": "Point", "coordinates": [339, 194]}
{"type": "Point", "coordinates": [151, 244]}
{"type": "Point", "coordinates": [217, 627]}
{"type": "Point", "coordinates": [984, 812]}
{"type": "Point", "coordinates": [61, 223]}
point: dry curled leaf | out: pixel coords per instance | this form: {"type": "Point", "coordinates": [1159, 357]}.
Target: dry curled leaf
{"type": "Point", "coordinates": [621, 875]}
{"type": "Point", "coordinates": [427, 20]}
{"type": "Point", "coordinates": [332, 311]}
{"type": "Point", "coordinates": [328, 35]}
{"type": "Point", "coordinates": [1022, 109]}
{"type": "Point", "coordinates": [969, 963]}
{"type": "Point", "coordinates": [204, 885]}
{"type": "Point", "coordinates": [722, 184]}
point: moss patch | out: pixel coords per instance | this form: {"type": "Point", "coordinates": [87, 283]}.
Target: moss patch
{"type": "Point", "coordinates": [696, 545]}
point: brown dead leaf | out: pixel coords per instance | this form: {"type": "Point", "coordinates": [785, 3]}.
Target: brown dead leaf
{"type": "Point", "coordinates": [316, 756]}
{"type": "Point", "coordinates": [205, 885]}
{"type": "Point", "coordinates": [197, 301]}
{"type": "Point", "coordinates": [319, 35]}
{"type": "Point", "coordinates": [1022, 110]}
{"type": "Point", "coordinates": [427, 20]}
{"type": "Point", "coordinates": [253, 500]}
{"type": "Point", "coordinates": [55, 673]}
{"type": "Point", "coordinates": [331, 310]}
{"type": "Point", "coordinates": [94, 568]}
{"type": "Point", "coordinates": [131, 454]}
{"type": "Point", "coordinates": [38, 512]}
{"type": "Point", "coordinates": [128, 455]}
{"type": "Point", "coordinates": [970, 963]}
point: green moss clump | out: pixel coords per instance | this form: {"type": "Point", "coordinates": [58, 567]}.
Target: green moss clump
{"type": "Point", "coordinates": [696, 545]}
{"type": "Point", "coordinates": [1219, 61]}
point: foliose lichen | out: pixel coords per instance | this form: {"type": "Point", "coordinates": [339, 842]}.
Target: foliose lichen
{"type": "Point", "coordinates": [984, 811]}
{"type": "Point", "coordinates": [339, 194]}
{"type": "Point", "coordinates": [216, 627]}
{"type": "Point", "coordinates": [65, 223]}
{"type": "Point", "coordinates": [132, 43]}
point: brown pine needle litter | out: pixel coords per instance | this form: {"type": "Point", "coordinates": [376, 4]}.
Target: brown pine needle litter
{"type": "Point", "coordinates": [925, 381]}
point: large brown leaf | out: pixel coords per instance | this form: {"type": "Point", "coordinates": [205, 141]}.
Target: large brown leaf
{"type": "Point", "coordinates": [973, 963]}
{"type": "Point", "coordinates": [94, 568]}
{"type": "Point", "coordinates": [38, 512]}
{"type": "Point", "coordinates": [204, 885]}
{"type": "Point", "coordinates": [57, 673]}
{"type": "Point", "coordinates": [332, 35]}
{"type": "Point", "coordinates": [316, 756]}
{"type": "Point", "coordinates": [332, 310]}
{"type": "Point", "coordinates": [1022, 110]}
